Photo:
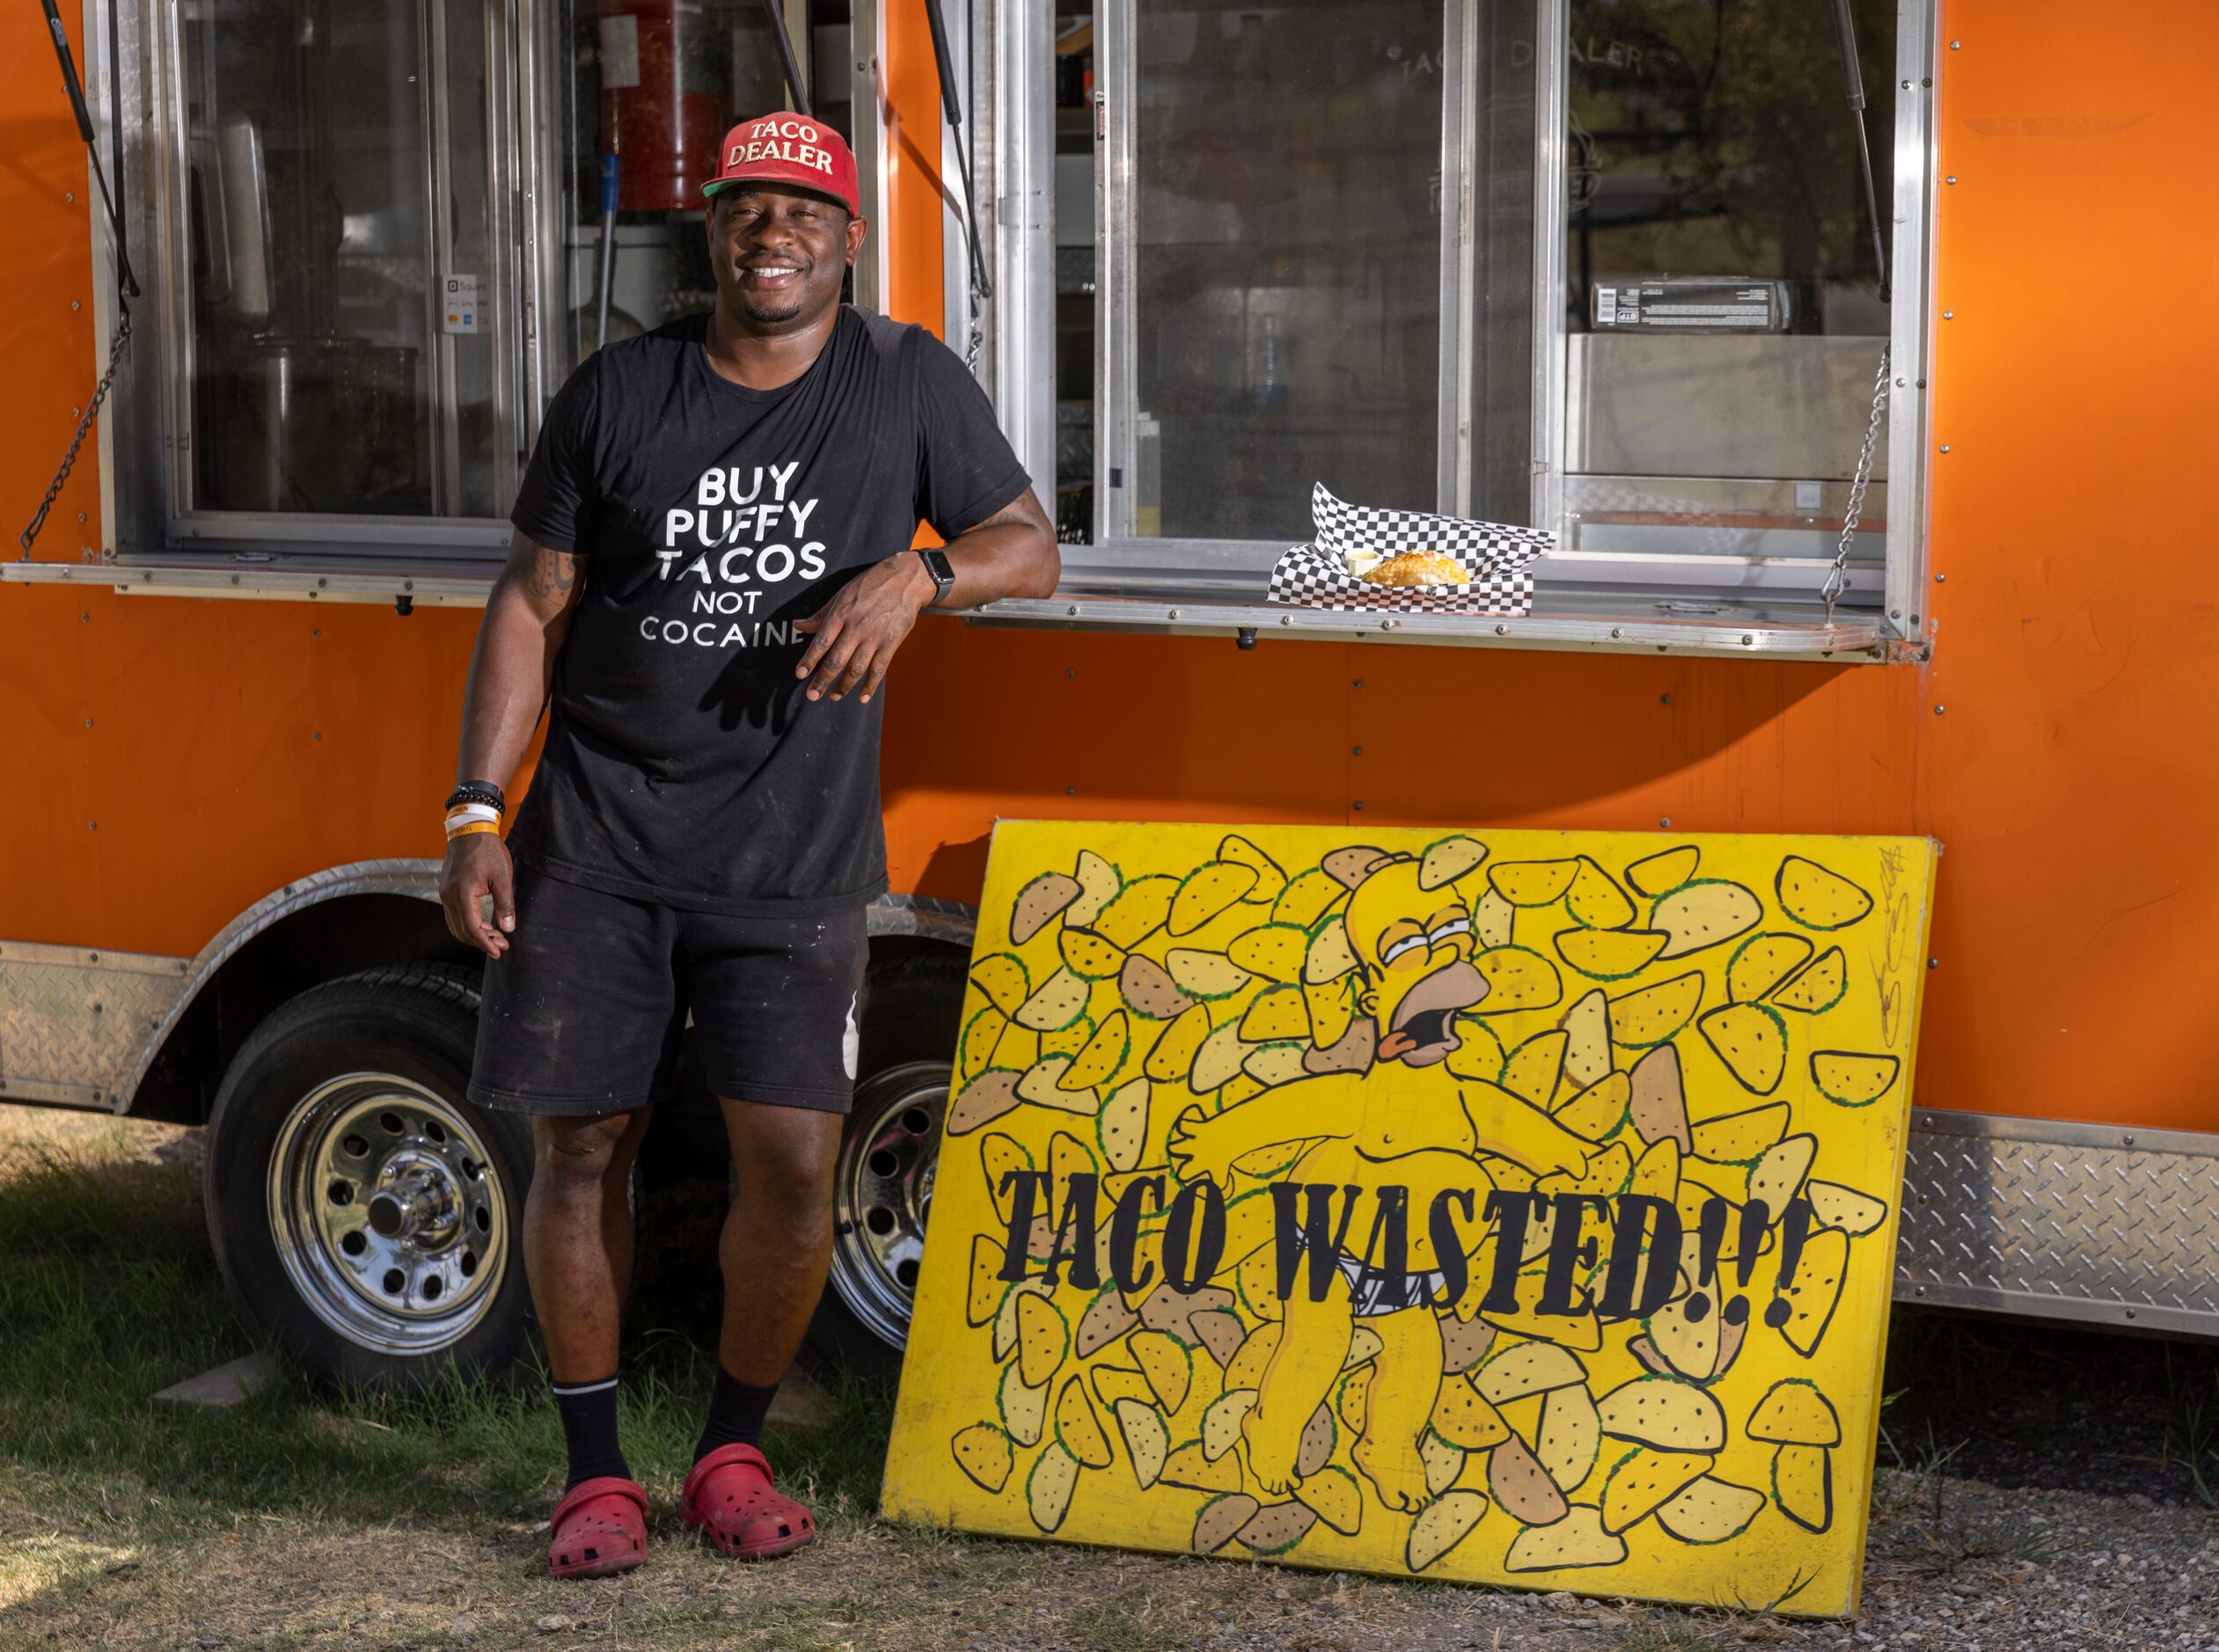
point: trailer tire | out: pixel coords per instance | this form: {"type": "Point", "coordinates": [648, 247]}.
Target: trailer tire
{"type": "Point", "coordinates": [912, 1003]}
{"type": "Point", "coordinates": [367, 1218]}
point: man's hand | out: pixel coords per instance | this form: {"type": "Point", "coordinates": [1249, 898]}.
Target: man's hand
{"type": "Point", "coordinates": [853, 638]}
{"type": "Point", "coordinates": [1012, 553]}
{"type": "Point", "coordinates": [478, 865]}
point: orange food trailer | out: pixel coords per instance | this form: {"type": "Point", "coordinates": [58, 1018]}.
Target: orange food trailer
{"type": "Point", "coordinates": [1602, 266]}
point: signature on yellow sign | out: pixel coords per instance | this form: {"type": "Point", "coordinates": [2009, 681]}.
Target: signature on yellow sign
{"type": "Point", "coordinates": [1510, 1206]}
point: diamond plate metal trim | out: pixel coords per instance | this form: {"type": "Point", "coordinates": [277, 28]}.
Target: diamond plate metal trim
{"type": "Point", "coordinates": [72, 1022]}
{"type": "Point", "coordinates": [81, 1028]}
{"type": "Point", "coordinates": [2061, 1221]}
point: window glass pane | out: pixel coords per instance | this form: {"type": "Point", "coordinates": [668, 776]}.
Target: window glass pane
{"type": "Point", "coordinates": [1722, 295]}
{"type": "Point", "coordinates": [656, 83]}
{"type": "Point", "coordinates": [1286, 261]}
{"type": "Point", "coordinates": [320, 286]}
{"type": "Point", "coordinates": [476, 361]}
{"type": "Point", "coordinates": [1076, 272]}
{"type": "Point", "coordinates": [1498, 287]}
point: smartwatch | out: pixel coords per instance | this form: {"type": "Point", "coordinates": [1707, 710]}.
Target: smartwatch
{"type": "Point", "coordinates": [944, 572]}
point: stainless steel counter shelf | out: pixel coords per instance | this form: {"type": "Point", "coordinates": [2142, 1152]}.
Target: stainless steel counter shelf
{"type": "Point", "coordinates": [1227, 602]}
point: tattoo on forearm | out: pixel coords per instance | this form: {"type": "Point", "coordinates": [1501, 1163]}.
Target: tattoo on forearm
{"type": "Point", "coordinates": [1020, 509]}
{"type": "Point", "coordinates": [552, 574]}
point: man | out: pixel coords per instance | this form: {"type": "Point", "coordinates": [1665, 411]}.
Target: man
{"type": "Point", "coordinates": [711, 573]}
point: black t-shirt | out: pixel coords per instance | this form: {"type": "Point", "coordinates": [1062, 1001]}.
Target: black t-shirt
{"type": "Point", "coordinates": [684, 764]}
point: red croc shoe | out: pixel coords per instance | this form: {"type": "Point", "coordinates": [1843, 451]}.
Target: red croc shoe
{"type": "Point", "coordinates": [598, 1529]}
{"type": "Point", "coordinates": [728, 1498]}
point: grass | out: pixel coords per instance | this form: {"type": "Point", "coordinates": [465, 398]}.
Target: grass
{"type": "Point", "coordinates": [301, 1518]}
{"type": "Point", "coordinates": [1939, 1536]}
{"type": "Point", "coordinates": [2192, 1434]}
{"type": "Point", "coordinates": [108, 1293]}
{"type": "Point", "coordinates": [1131, 1620]}
{"type": "Point", "coordinates": [1665, 1637]}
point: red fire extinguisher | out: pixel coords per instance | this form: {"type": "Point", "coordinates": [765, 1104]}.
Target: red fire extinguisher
{"type": "Point", "coordinates": [663, 130]}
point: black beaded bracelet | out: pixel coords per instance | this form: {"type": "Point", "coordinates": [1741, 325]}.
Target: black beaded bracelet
{"type": "Point", "coordinates": [478, 792]}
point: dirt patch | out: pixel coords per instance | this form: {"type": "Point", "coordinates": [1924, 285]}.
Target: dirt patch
{"type": "Point", "coordinates": [29, 1136]}
{"type": "Point", "coordinates": [2112, 1575]}
{"type": "Point", "coordinates": [2053, 1515]}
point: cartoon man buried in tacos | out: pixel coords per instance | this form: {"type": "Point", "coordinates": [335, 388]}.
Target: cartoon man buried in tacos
{"type": "Point", "coordinates": [1398, 1120]}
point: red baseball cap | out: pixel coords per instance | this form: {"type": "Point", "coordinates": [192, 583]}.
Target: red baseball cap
{"type": "Point", "coordinates": [788, 147]}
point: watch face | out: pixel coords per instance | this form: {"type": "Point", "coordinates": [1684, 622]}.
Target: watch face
{"type": "Point", "coordinates": [943, 572]}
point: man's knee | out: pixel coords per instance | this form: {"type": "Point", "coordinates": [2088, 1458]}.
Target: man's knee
{"type": "Point", "coordinates": [787, 1162]}
{"type": "Point", "coordinates": [580, 1155]}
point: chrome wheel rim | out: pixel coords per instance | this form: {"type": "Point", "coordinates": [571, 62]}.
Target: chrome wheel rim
{"type": "Point", "coordinates": [389, 1214]}
{"type": "Point", "coordinates": [883, 1191]}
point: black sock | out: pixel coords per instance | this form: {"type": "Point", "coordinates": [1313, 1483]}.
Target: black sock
{"type": "Point", "coordinates": [735, 1414]}
{"type": "Point", "coordinates": [589, 1429]}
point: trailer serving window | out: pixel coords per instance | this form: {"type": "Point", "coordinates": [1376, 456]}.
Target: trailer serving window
{"type": "Point", "coordinates": [340, 348]}
{"type": "Point", "coordinates": [387, 231]}
{"type": "Point", "coordinates": [1603, 266]}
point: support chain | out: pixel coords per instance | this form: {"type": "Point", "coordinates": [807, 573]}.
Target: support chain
{"type": "Point", "coordinates": [29, 536]}
{"type": "Point", "coordinates": [1837, 579]}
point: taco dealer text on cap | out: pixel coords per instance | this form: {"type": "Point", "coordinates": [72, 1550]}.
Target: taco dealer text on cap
{"type": "Point", "coordinates": [788, 147]}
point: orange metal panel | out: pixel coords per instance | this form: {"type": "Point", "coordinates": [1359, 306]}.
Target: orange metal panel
{"type": "Point", "coordinates": [2058, 745]}
{"type": "Point", "coordinates": [172, 760]}
{"type": "Point", "coordinates": [915, 191]}
{"type": "Point", "coordinates": [46, 335]}
{"type": "Point", "coordinates": [2072, 774]}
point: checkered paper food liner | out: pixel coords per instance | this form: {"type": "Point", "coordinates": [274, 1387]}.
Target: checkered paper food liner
{"type": "Point", "coordinates": [1499, 558]}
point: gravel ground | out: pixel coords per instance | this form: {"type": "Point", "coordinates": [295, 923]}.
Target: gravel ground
{"type": "Point", "coordinates": [2040, 1490]}
{"type": "Point", "coordinates": [2113, 1572]}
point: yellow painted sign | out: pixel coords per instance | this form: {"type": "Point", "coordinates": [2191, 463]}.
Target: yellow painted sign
{"type": "Point", "coordinates": [1509, 1207]}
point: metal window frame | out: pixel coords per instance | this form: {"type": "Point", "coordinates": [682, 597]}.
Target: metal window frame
{"type": "Point", "coordinates": [963, 333]}
{"type": "Point", "coordinates": [1460, 253]}
{"type": "Point", "coordinates": [148, 526]}
{"type": "Point", "coordinates": [1552, 98]}
{"type": "Point", "coordinates": [1011, 118]}
{"type": "Point", "coordinates": [1116, 365]}
{"type": "Point", "coordinates": [871, 144]}
{"type": "Point", "coordinates": [104, 98]}
{"type": "Point", "coordinates": [1910, 315]}
{"type": "Point", "coordinates": [1026, 357]}
{"type": "Point", "coordinates": [148, 469]}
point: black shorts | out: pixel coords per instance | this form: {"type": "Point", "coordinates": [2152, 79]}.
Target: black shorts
{"type": "Point", "coordinates": [583, 1014]}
